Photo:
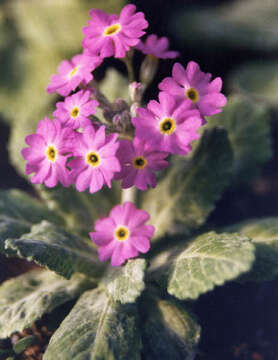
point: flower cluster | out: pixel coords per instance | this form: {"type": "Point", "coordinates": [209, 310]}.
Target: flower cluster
{"type": "Point", "coordinates": [131, 142]}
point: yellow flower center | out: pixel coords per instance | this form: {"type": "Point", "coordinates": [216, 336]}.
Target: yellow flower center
{"type": "Point", "coordinates": [112, 30]}
{"type": "Point", "coordinates": [139, 162]}
{"type": "Point", "coordinates": [167, 126]}
{"type": "Point", "coordinates": [51, 153]}
{"type": "Point", "coordinates": [192, 94]}
{"type": "Point", "coordinates": [93, 159]}
{"type": "Point", "coordinates": [73, 72]}
{"type": "Point", "coordinates": [75, 112]}
{"type": "Point", "coordinates": [122, 233]}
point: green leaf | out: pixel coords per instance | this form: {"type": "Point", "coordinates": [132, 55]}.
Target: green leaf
{"type": "Point", "coordinates": [169, 330]}
{"type": "Point", "coordinates": [80, 210]}
{"type": "Point", "coordinates": [56, 249]}
{"type": "Point", "coordinates": [9, 56]}
{"type": "Point", "coordinates": [16, 204]}
{"type": "Point", "coordinates": [248, 24]}
{"type": "Point", "coordinates": [37, 67]}
{"type": "Point", "coordinates": [26, 298]}
{"type": "Point", "coordinates": [110, 6]}
{"type": "Point", "coordinates": [114, 85]}
{"type": "Point", "coordinates": [248, 126]}
{"type": "Point", "coordinates": [188, 193]}
{"type": "Point", "coordinates": [58, 23]}
{"type": "Point", "coordinates": [97, 328]}
{"type": "Point", "coordinates": [18, 211]}
{"type": "Point", "coordinates": [257, 79]}
{"type": "Point", "coordinates": [10, 228]}
{"type": "Point", "coordinates": [126, 283]}
{"type": "Point", "coordinates": [206, 261]}
{"type": "Point", "coordinates": [21, 345]}
{"type": "Point", "coordinates": [264, 235]}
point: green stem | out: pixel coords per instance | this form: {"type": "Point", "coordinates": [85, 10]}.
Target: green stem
{"type": "Point", "coordinates": [129, 194]}
{"type": "Point", "coordinates": [128, 63]}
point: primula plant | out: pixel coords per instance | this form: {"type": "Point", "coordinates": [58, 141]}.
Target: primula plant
{"type": "Point", "coordinates": [125, 188]}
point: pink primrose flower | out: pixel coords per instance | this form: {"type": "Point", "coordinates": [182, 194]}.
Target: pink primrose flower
{"type": "Point", "coordinates": [157, 47]}
{"type": "Point", "coordinates": [73, 73]}
{"type": "Point", "coordinates": [139, 160]}
{"type": "Point", "coordinates": [75, 110]}
{"type": "Point", "coordinates": [192, 84]}
{"type": "Point", "coordinates": [168, 125]}
{"type": "Point", "coordinates": [112, 35]}
{"type": "Point", "coordinates": [95, 161]}
{"type": "Point", "coordinates": [123, 234]}
{"type": "Point", "coordinates": [47, 153]}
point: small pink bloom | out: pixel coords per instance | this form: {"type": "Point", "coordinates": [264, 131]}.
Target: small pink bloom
{"type": "Point", "coordinates": [48, 153]}
{"type": "Point", "coordinates": [139, 160]}
{"type": "Point", "coordinates": [75, 110]}
{"type": "Point", "coordinates": [112, 35]}
{"type": "Point", "coordinates": [123, 234]}
{"type": "Point", "coordinates": [73, 73]}
{"type": "Point", "coordinates": [168, 125]}
{"type": "Point", "coordinates": [95, 161]}
{"type": "Point", "coordinates": [157, 47]}
{"type": "Point", "coordinates": [191, 83]}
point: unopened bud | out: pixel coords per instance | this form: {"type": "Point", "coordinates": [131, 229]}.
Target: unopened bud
{"type": "Point", "coordinates": [120, 105]}
{"type": "Point", "coordinates": [148, 69]}
{"type": "Point", "coordinates": [136, 91]}
{"type": "Point", "coordinates": [121, 121]}
{"type": "Point", "coordinates": [108, 113]}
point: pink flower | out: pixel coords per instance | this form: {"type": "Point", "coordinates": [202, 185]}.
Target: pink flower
{"type": "Point", "coordinates": [168, 125]}
{"type": "Point", "coordinates": [73, 73]}
{"type": "Point", "coordinates": [48, 153]}
{"type": "Point", "coordinates": [123, 234]}
{"type": "Point", "coordinates": [112, 35]}
{"type": "Point", "coordinates": [139, 160]}
{"type": "Point", "coordinates": [157, 47]}
{"type": "Point", "coordinates": [95, 160]}
{"type": "Point", "coordinates": [76, 109]}
{"type": "Point", "coordinates": [191, 83]}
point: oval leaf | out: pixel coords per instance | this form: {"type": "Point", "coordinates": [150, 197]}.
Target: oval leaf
{"type": "Point", "coordinates": [206, 261]}
{"type": "Point", "coordinates": [19, 205]}
{"type": "Point", "coordinates": [248, 24]}
{"type": "Point", "coordinates": [52, 247]}
{"type": "Point", "coordinates": [96, 328]}
{"type": "Point", "coordinates": [264, 235]}
{"type": "Point", "coordinates": [26, 298]}
{"type": "Point", "coordinates": [190, 189]}
{"type": "Point", "coordinates": [260, 80]}
{"type": "Point", "coordinates": [18, 211]}
{"type": "Point", "coordinates": [80, 209]}
{"type": "Point", "coordinates": [169, 330]}
{"type": "Point", "coordinates": [10, 228]}
{"type": "Point", "coordinates": [248, 126]}
{"type": "Point", "coordinates": [126, 283]}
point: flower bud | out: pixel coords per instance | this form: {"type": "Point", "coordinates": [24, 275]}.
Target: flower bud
{"type": "Point", "coordinates": [120, 105]}
{"type": "Point", "coordinates": [121, 121]}
{"type": "Point", "coordinates": [136, 91]}
{"type": "Point", "coordinates": [148, 69]}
